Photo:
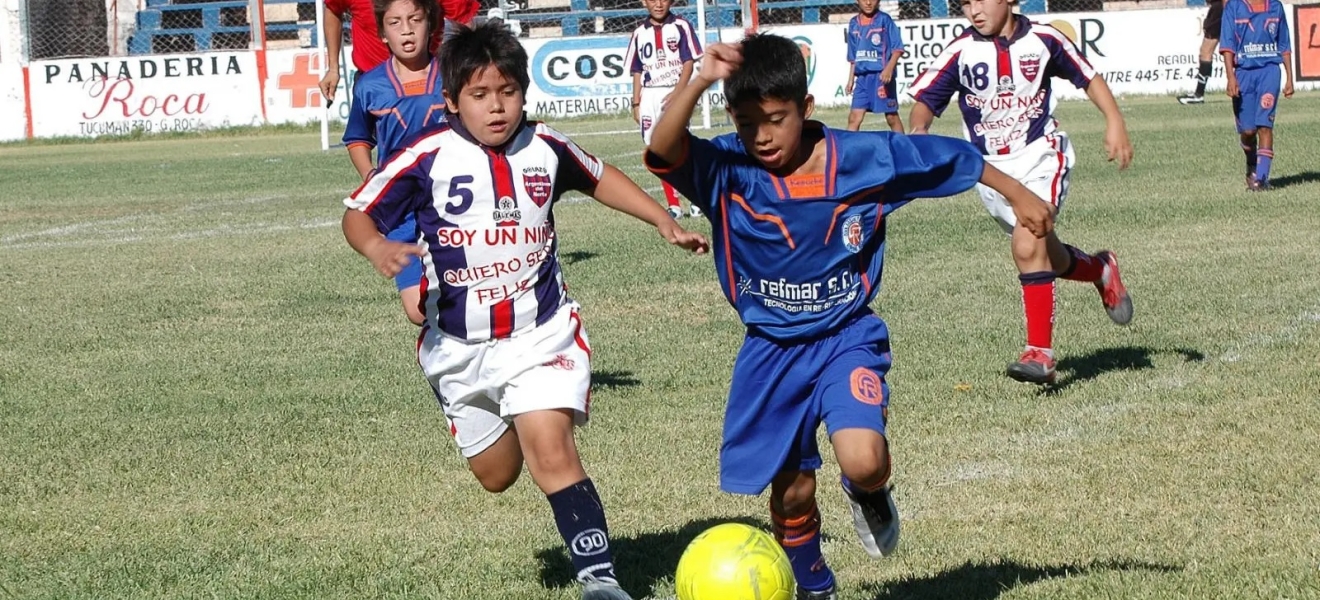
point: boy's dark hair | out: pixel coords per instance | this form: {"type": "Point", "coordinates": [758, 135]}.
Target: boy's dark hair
{"type": "Point", "coordinates": [468, 50]}
{"type": "Point", "coordinates": [434, 13]}
{"type": "Point", "coordinates": [773, 68]}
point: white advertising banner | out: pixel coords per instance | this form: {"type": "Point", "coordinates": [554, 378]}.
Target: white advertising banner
{"type": "Point", "coordinates": [12, 103]}
{"type": "Point", "coordinates": [115, 96]}
{"type": "Point", "coordinates": [293, 93]}
{"type": "Point", "coordinates": [573, 77]}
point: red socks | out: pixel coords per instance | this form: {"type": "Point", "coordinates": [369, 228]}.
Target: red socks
{"type": "Point", "coordinates": [1038, 301]}
{"type": "Point", "coordinates": [1085, 267]}
{"type": "Point", "coordinates": [671, 196]}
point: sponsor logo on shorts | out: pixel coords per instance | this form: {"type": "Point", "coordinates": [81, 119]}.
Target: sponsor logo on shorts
{"type": "Point", "coordinates": [867, 387]}
{"type": "Point", "coordinates": [561, 362]}
{"type": "Point", "coordinates": [590, 543]}
{"type": "Point", "coordinates": [852, 233]}
{"type": "Point", "coordinates": [1267, 101]}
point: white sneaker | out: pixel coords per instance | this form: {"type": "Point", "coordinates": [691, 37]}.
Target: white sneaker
{"type": "Point", "coordinates": [676, 212]}
{"type": "Point", "coordinates": [876, 518]}
{"type": "Point", "coordinates": [595, 589]}
{"type": "Point", "coordinates": [695, 212]}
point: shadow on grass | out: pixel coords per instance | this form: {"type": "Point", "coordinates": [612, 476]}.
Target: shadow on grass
{"type": "Point", "coordinates": [1077, 369]}
{"type": "Point", "coordinates": [641, 561]}
{"type": "Point", "coordinates": [604, 380]}
{"type": "Point", "coordinates": [1295, 179]}
{"type": "Point", "coordinates": [576, 256]}
{"type": "Point", "coordinates": [988, 581]}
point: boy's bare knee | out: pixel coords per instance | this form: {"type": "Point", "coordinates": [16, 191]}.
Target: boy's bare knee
{"type": "Point", "coordinates": [863, 457]}
{"type": "Point", "coordinates": [498, 480]}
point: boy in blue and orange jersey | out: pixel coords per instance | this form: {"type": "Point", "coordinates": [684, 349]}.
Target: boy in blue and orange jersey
{"type": "Point", "coordinates": [1254, 40]}
{"type": "Point", "coordinates": [798, 213]}
{"type": "Point", "coordinates": [874, 47]}
{"type": "Point", "coordinates": [397, 101]}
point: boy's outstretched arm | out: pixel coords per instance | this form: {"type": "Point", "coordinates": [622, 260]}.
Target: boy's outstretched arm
{"type": "Point", "coordinates": [389, 258]}
{"type": "Point", "coordinates": [1117, 144]}
{"type": "Point", "coordinates": [1032, 212]}
{"type": "Point", "coordinates": [616, 191]}
{"type": "Point", "coordinates": [668, 139]}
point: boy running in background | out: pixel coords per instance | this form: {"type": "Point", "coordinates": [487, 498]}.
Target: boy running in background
{"type": "Point", "coordinates": [1001, 69]}
{"type": "Point", "coordinates": [503, 345]}
{"type": "Point", "coordinates": [660, 56]}
{"type": "Point", "coordinates": [392, 103]}
{"type": "Point", "coordinates": [874, 47]}
{"type": "Point", "coordinates": [798, 213]}
{"type": "Point", "coordinates": [1254, 40]}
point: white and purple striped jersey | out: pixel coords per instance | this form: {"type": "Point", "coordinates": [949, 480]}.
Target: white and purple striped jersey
{"type": "Point", "coordinates": [1003, 84]}
{"type": "Point", "coordinates": [659, 51]}
{"type": "Point", "coordinates": [491, 267]}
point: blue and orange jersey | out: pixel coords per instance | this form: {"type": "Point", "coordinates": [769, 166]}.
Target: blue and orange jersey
{"type": "Point", "coordinates": [387, 114]}
{"type": "Point", "coordinates": [871, 40]}
{"type": "Point", "coordinates": [801, 256]}
{"type": "Point", "coordinates": [1255, 34]}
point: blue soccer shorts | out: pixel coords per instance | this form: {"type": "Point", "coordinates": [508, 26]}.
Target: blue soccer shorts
{"type": "Point", "coordinates": [781, 392]}
{"type": "Point", "coordinates": [1258, 92]}
{"type": "Point", "coordinates": [406, 233]}
{"type": "Point", "coordinates": [872, 96]}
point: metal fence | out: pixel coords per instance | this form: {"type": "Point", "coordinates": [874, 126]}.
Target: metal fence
{"type": "Point", "coordinates": [89, 28]}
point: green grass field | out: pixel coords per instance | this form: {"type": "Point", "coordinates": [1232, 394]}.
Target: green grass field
{"type": "Point", "coordinates": [205, 393]}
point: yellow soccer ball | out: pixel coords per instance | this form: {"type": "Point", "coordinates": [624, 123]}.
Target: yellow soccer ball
{"type": "Point", "coordinates": [734, 562]}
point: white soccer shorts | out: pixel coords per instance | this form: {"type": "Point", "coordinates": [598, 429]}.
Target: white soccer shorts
{"type": "Point", "coordinates": [1043, 166]}
{"type": "Point", "coordinates": [482, 386]}
{"type": "Point", "coordinates": [648, 113]}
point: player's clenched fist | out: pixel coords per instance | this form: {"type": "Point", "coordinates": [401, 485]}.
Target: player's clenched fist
{"type": "Point", "coordinates": [720, 61]}
{"type": "Point", "coordinates": [1118, 146]}
{"type": "Point", "coordinates": [389, 258]}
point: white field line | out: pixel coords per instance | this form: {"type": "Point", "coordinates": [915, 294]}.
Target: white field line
{"type": "Point", "coordinates": [145, 236]}
{"type": "Point", "coordinates": [1289, 332]}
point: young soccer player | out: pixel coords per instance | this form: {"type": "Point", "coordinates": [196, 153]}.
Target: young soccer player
{"type": "Point", "coordinates": [368, 51]}
{"type": "Point", "coordinates": [874, 46]}
{"type": "Point", "coordinates": [1001, 68]}
{"type": "Point", "coordinates": [660, 56]}
{"type": "Point", "coordinates": [503, 345]}
{"type": "Point", "coordinates": [799, 234]}
{"type": "Point", "coordinates": [1210, 30]}
{"type": "Point", "coordinates": [392, 103]}
{"type": "Point", "coordinates": [1254, 40]}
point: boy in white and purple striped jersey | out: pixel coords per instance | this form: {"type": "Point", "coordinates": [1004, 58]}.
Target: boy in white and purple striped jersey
{"type": "Point", "coordinates": [1002, 69]}
{"type": "Point", "coordinates": [661, 54]}
{"type": "Point", "coordinates": [503, 346]}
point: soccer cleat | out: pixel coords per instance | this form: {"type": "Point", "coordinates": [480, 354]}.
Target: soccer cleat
{"type": "Point", "coordinates": [676, 212]}
{"type": "Point", "coordinates": [595, 589]}
{"type": "Point", "coordinates": [829, 594]}
{"type": "Point", "coordinates": [1191, 99]}
{"type": "Point", "coordinates": [695, 212]}
{"type": "Point", "coordinates": [1252, 184]}
{"type": "Point", "coordinates": [1113, 293]}
{"type": "Point", "coordinates": [1034, 366]}
{"type": "Point", "coordinates": [1260, 186]}
{"type": "Point", "coordinates": [876, 518]}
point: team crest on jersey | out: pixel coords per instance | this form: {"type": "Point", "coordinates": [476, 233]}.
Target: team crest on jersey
{"type": "Point", "coordinates": [672, 44]}
{"type": "Point", "coordinates": [538, 187]}
{"type": "Point", "coordinates": [1006, 86]}
{"type": "Point", "coordinates": [1030, 65]}
{"type": "Point", "coordinates": [506, 212]}
{"type": "Point", "coordinates": [1273, 27]}
{"type": "Point", "coordinates": [852, 233]}
{"type": "Point", "coordinates": [875, 38]}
